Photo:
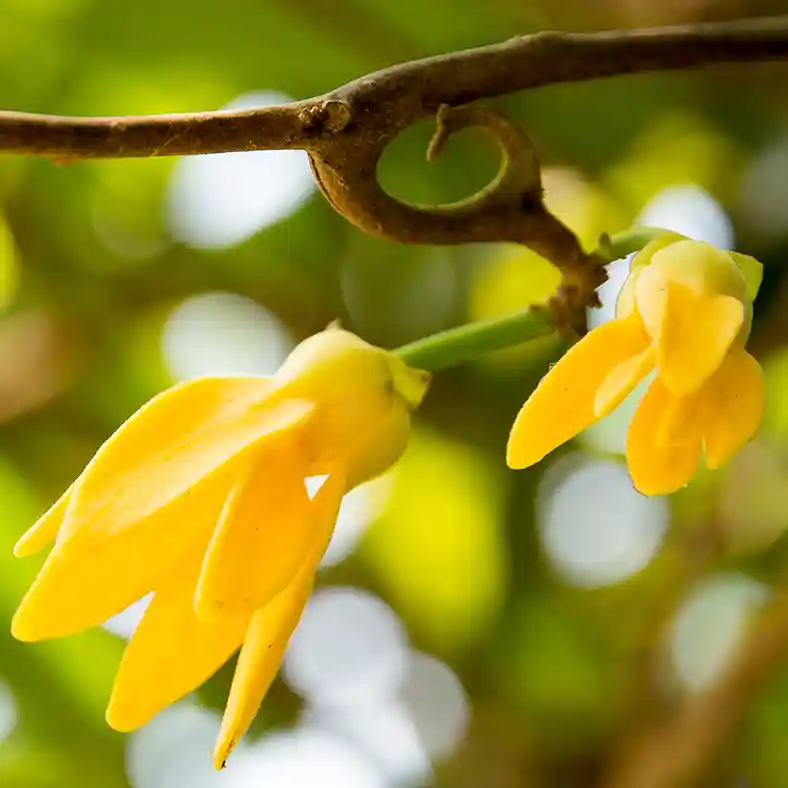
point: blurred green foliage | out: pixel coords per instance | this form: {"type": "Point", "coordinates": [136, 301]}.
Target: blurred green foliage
{"type": "Point", "coordinates": [90, 275]}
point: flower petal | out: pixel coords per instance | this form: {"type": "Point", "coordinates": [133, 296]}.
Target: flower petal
{"type": "Point", "coordinates": [752, 271]}
{"type": "Point", "coordinates": [732, 405]}
{"type": "Point", "coordinates": [621, 382]}
{"type": "Point", "coordinates": [562, 405]}
{"type": "Point", "coordinates": [271, 628]}
{"type": "Point", "coordinates": [660, 460]}
{"type": "Point", "coordinates": [262, 536]}
{"type": "Point", "coordinates": [170, 445]}
{"type": "Point", "coordinates": [45, 529]}
{"type": "Point", "coordinates": [696, 334]}
{"type": "Point", "coordinates": [172, 651]}
{"type": "Point", "coordinates": [82, 586]}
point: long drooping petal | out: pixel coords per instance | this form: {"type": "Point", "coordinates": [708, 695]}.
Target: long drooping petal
{"type": "Point", "coordinates": [80, 588]}
{"type": "Point", "coordinates": [732, 405]}
{"type": "Point", "coordinates": [562, 405]}
{"type": "Point", "coordinates": [111, 560]}
{"type": "Point", "coordinates": [271, 627]}
{"type": "Point", "coordinates": [172, 651]}
{"type": "Point", "coordinates": [661, 458]}
{"type": "Point", "coordinates": [262, 536]}
{"type": "Point", "coordinates": [44, 531]}
{"type": "Point", "coordinates": [696, 334]}
{"type": "Point", "coordinates": [168, 448]}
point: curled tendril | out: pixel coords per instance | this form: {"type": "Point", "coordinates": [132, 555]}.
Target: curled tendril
{"type": "Point", "coordinates": [510, 208]}
{"type": "Point", "coordinates": [518, 174]}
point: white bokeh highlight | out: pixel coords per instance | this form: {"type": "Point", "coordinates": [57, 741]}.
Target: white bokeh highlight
{"type": "Point", "coordinates": [126, 622]}
{"type": "Point", "coordinates": [385, 732]}
{"type": "Point", "coordinates": [223, 334]}
{"type": "Point", "coordinates": [617, 273]}
{"type": "Point", "coordinates": [8, 712]}
{"type": "Point", "coordinates": [219, 200]}
{"type": "Point", "coordinates": [359, 509]}
{"type": "Point", "coordinates": [595, 528]}
{"type": "Point", "coordinates": [709, 626]}
{"type": "Point", "coordinates": [691, 211]}
{"type": "Point", "coordinates": [174, 750]}
{"type": "Point", "coordinates": [349, 647]}
{"type": "Point", "coordinates": [436, 700]}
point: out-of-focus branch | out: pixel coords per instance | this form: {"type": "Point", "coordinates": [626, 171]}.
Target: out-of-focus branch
{"type": "Point", "coordinates": [679, 751]}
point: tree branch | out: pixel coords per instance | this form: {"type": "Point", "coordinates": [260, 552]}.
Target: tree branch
{"type": "Point", "coordinates": [387, 101]}
{"type": "Point", "coordinates": [346, 131]}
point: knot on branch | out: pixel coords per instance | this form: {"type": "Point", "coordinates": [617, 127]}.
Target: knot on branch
{"type": "Point", "coordinates": [331, 115]}
{"type": "Point", "coordinates": [508, 209]}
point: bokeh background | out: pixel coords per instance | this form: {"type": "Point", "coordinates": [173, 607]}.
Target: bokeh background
{"type": "Point", "coordinates": [473, 626]}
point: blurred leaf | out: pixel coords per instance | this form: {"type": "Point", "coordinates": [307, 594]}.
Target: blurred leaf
{"type": "Point", "coordinates": [61, 687]}
{"type": "Point", "coordinates": [550, 664]}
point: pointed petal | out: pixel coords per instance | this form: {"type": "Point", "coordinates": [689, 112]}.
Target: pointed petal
{"type": "Point", "coordinates": [81, 586]}
{"type": "Point", "coordinates": [172, 652]}
{"type": "Point", "coordinates": [169, 446]}
{"type": "Point", "coordinates": [45, 529]}
{"type": "Point", "coordinates": [262, 536]}
{"type": "Point", "coordinates": [272, 627]}
{"type": "Point", "coordinates": [660, 460]}
{"type": "Point", "coordinates": [732, 404]}
{"type": "Point", "coordinates": [562, 405]}
{"type": "Point", "coordinates": [696, 333]}
{"type": "Point", "coordinates": [621, 382]}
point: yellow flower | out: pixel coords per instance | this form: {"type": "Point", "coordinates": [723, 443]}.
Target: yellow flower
{"type": "Point", "coordinates": [200, 498]}
{"type": "Point", "coordinates": [685, 314]}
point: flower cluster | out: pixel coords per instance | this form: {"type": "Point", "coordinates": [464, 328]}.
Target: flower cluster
{"type": "Point", "coordinates": [200, 497]}
{"type": "Point", "coordinates": [683, 316]}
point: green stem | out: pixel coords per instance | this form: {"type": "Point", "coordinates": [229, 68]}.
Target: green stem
{"type": "Point", "coordinates": [475, 339]}
{"type": "Point", "coordinates": [452, 347]}
{"type": "Point", "coordinates": [622, 244]}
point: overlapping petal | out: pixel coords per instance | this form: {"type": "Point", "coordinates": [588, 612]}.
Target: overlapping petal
{"type": "Point", "coordinates": [170, 446]}
{"type": "Point", "coordinates": [562, 405]}
{"type": "Point", "coordinates": [733, 403]}
{"type": "Point", "coordinates": [621, 382]}
{"type": "Point", "coordinates": [271, 627]}
{"type": "Point", "coordinates": [663, 451]}
{"type": "Point", "coordinates": [172, 651]}
{"type": "Point", "coordinates": [261, 538]}
{"type": "Point", "coordinates": [695, 336]}
{"type": "Point", "coordinates": [80, 588]}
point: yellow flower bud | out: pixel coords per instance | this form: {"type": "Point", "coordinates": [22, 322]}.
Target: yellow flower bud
{"type": "Point", "coordinates": [685, 314]}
